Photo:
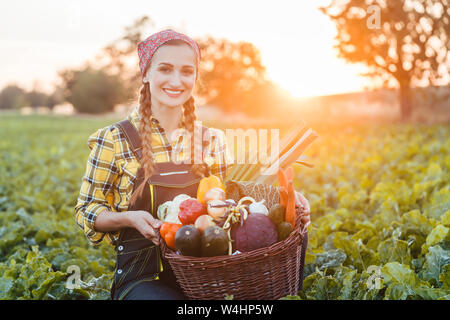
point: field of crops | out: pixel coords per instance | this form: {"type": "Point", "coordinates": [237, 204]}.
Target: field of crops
{"type": "Point", "coordinates": [379, 194]}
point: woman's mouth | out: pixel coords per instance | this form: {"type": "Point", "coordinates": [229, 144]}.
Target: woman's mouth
{"type": "Point", "coordinates": [173, 93]}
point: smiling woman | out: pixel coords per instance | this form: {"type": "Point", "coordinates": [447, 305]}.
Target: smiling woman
{"type": "Point", "coordinates": [131, 169]}
{"type": "Point", "coordinates": [119, 194]}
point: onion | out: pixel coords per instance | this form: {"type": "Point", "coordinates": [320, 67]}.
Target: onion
{"type": "Point", "coordinates": [204, 222]}
{"type": "Point", "coordinates": [217, 213]}
{"type": "Point", "coordinates": [214, 194]}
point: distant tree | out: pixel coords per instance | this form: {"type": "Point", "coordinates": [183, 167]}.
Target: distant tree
{"type": "Point", "coordinates": [37, 98]}
{"type": "Point", "coordinates": [92, 91]}
{"type": "Point", "coordinates": [120, 57]}
{"type": "Point", "coordinates": [12, 97]}
{"type": "Point", "coordinates": [229, 71]}
{"type": "Point", "coordinates": [55, 98]}
{"type": "Point", "coordinates": [401, 41]}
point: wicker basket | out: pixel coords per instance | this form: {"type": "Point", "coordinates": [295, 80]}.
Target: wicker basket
{"type": "Point", "coordinates": [263, 274]}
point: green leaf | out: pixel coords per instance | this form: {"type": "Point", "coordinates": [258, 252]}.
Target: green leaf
{"type": "Point", "coordinates": [397, 291]}
{"type": "Point", "coordinates": [329, 259]}
{"type": "Point", "coordinates": [436, 259]}
{"type": "Point", "coordinates": [415, 222]}
{"type": "Point", "coordinates": [394, 250]}
{"type": "Point", "coordinates": [347, 285]}
{"type": "Point", "coordinates": [350, 247]}
{"type": "Point", "coordinates": [394, 272]}
{"type": "Point", "coordinates": [445, 218]}
{"type": "Point", "coordinates": [438, 234]}
{"type": "Point", "coordinates": [444, 277]}
{"type": "Point", "coordinates": [5, 285]}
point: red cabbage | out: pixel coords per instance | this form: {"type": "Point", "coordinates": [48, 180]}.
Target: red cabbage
{"type": "Point", "coordinates": [258, 231]}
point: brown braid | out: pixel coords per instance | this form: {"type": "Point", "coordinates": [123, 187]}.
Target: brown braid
{"type": "Point", "coordinates": [189, 118]}
{"type": "Point", "coordinates": [145, 130]}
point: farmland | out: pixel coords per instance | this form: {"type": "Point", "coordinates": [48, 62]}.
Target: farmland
{"type": "Point", "coordinates": [379, 195]}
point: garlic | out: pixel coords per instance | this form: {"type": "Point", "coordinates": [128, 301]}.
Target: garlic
{"type": "Point", "coordinates": [180, 198]}
{"type": "Point", "coordinates": [258, 207]}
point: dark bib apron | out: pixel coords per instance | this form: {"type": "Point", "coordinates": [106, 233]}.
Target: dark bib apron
{"type": "Point", "coordinates": [138, 259]}
{"type": "Point", "coordinates": [139, 266]}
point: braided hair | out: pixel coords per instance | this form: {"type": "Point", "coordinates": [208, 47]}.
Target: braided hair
{"type": "Point", "coordinates": [145, 130]}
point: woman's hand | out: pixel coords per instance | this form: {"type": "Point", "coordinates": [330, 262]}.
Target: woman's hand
{"type": "Point", "coordinates": [144, 222]}
{"type": "Point", "coordinates": [302, 201]}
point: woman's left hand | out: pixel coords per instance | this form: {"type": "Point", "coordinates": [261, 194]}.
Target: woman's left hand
{"type": "Point", "coordinates": [302, 201]}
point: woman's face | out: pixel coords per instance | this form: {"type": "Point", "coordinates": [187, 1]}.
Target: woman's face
{"type": "Point", "coordinates": [172, 75]}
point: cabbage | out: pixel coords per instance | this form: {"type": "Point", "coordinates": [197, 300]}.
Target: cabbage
{"type": "Point", "coordinates": [257, 231]}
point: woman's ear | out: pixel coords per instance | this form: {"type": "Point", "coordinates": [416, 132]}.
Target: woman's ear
{"type": "Point", "coordinates": [146, 77]}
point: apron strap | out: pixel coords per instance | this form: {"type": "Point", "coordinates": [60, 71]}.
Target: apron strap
{"type": "Point", "coordinates": [132, 136]}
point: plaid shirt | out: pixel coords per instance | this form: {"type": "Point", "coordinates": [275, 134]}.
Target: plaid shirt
{"type": "Point", "coordinates": [112, 166]}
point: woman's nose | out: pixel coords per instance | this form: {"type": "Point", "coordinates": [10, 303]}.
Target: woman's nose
{"type": "Point", "coordinates": [175, 80]}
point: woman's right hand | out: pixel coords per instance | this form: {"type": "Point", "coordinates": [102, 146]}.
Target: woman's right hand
{"type": "Point", "coordinates": [146, 224]}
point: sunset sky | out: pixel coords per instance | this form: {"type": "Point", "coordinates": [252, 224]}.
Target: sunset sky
{"type": "Point", "coordinates": [38, 38]}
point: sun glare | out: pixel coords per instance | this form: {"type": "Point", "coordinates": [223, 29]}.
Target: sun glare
{"type": "Point", "coordinates": [306, 73]}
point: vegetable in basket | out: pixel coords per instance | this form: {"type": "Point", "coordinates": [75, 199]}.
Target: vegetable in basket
{"type": "Point", "coordinates": [258, 207]}
{"type": "Point", "coordinates": [284, 230]}
{"type": "Point", "coordinates": [188, 241]}
{"type": "Point", "coordinates": [206, 184]}
{"type": "Point", "coordinates": [168, 231]}
{"type": "Point", "coordinates": [214, 194]}
{"type": "Point", "coordinates": [257, 231]}
{"type": "Point", "coordinates": [290, 206]}
{"type": "Point", "coordinates": [287, 194]}
{"type": "Point", "coordinates": [217, 209]}
{"type": "Point", "coordinates": [190, 210]}
{"type": "Point", "coordinates": [204, 222]}
{"type": "Point", "coordinates": [168, 211]}
{"type": "Point", "coordinates": [214, 242]}
{"type": "Point", "coordinates": [277, 213]}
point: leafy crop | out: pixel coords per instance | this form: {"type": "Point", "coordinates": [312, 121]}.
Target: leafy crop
{"type": "Point", "coordinates": [380, 203]}
{"type": "Point", "coordinates": [43, 160]}
{"type": "Point", "coordinates": [379, 195]}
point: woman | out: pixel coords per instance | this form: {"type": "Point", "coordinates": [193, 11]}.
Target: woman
{"type": "Point", "coordinates": [114, 202]}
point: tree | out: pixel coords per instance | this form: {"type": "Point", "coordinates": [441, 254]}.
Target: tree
{"type": "Point", "coordinates": [405, 42]}
{"type": "Point", "coordinates": [229, 71]}
{"type": "Point", "coordinates": [55, 98]}
{"type": "Point", "coordinates": [120, 57]}
{"type": "Point", "coordinates": [92, 91]}
{"type": "Point", "coordinates": [37, 98]}
{"type": "Point", "coordinates": [12, 97]}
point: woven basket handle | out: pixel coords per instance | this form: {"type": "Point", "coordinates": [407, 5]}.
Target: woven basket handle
{"type": "Point", "coordinates": [162, 244]}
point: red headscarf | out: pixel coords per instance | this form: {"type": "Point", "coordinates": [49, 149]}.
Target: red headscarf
{"type": "Point", "coordinates": [148, 47]}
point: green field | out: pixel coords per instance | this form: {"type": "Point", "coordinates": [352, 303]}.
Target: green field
{"type": "Point", "coordinates": [379, 194]}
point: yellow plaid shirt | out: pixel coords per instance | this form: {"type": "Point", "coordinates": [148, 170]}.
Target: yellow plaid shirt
{"type": "Point", "coordinates": [112, 166]}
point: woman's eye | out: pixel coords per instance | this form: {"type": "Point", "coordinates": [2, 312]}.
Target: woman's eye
{"type": "Point", "coordinates": [187, 72]}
